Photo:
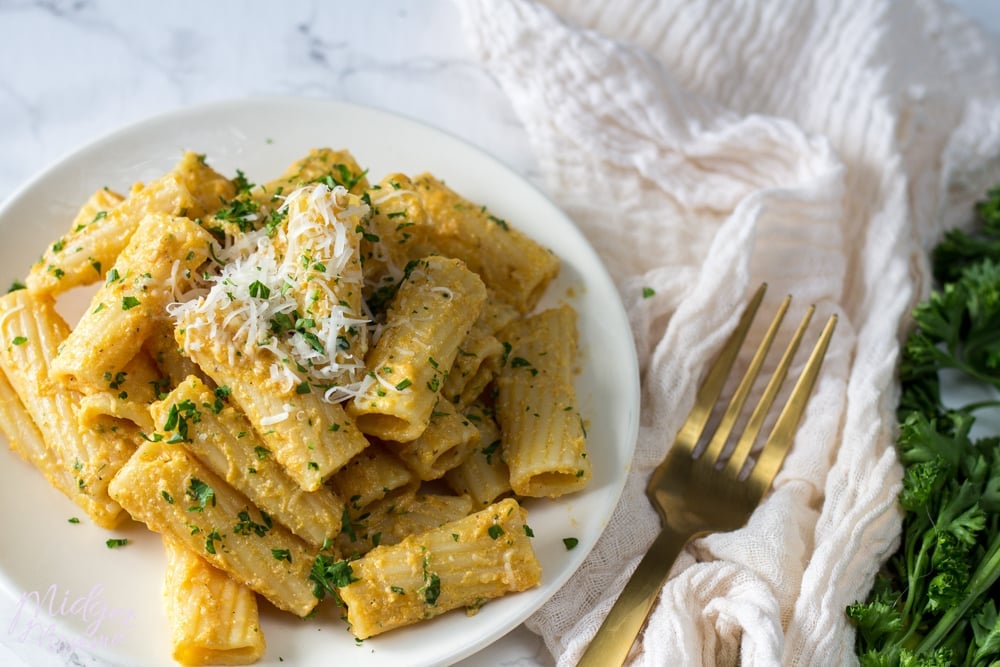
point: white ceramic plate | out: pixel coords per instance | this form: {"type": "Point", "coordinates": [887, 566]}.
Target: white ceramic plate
{"type": "Point", "coordinates": [108, 600]}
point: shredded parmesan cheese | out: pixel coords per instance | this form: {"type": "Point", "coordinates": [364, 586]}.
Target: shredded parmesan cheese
{"type": "Point", "coordinates": [292, 297]}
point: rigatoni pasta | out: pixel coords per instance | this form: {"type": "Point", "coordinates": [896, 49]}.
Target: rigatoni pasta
{"type": "Point", "coordinates": [544, 443]}
{"type": "Point", "coordinates": [511, 264]}
{"type": "Point", "coordinates": [483, 475]}
{"type": "Point", "coordinates": [460, 564]}
{"type": "Point", "coordinates": [170, 491]}
{"type": "Point", "coordinates": [310, 438]}
{"type": "Point", "coordinates": [444, 444]}
{"type": "Point", "coordinates": [83, 255]}
{"type": "Point", "coordinates": [429, 317]}
{"type": "Point", "coordinates": [213, 619]}
{"type": "Point", "coordinates": [370, 476]}
{"type": "Point", "coordinates": [31, 332]}
{"type": "Point", "coordinates": [307, 387]}
{"type": "Point", "coordinates": [126, 395]}
{"type": "Point", "coordinates": [158, 263]}
{"type": "Point", "coordinates": [219, 436]}
{"type": "Point", "coordinates": [27, 440]}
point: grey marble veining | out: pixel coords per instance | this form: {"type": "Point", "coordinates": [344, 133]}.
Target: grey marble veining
{"type": "Point", "coordinates": [73, 71]}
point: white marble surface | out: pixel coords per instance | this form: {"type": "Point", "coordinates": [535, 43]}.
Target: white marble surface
{"type": "Point", "coordinates": [74, 70]}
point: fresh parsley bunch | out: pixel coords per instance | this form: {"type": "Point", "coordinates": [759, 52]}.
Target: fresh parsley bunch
{"type": "Point", "coordinates": [934, 602]}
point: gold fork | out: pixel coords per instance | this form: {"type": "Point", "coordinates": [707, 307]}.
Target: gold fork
{"type": "Point", "coordinates": [696, 490]}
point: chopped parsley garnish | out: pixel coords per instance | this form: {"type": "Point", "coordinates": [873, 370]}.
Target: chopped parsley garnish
{"type": "Point", "coordinates": [521, 362]}
{"type": "Point", "coordinates": [431, 589]}
{"type": "Point", "coordinates": [346, 526]}
{"type": "Point", "coordinates": [313, 341]}
{"type": "Point", "coordinates": [344, 177]}
{"type": "Point", "coordinates": [570, 543]}
{"type": "Point", "coordinates": [259, 290]}
{"type": "Point", "coordinates": [328, 575]}
{"type": "Point", "coordinates": [241, 183]}
{"type": "Point", "coordinates": [491, 449]}
{"type": "Point", "coordinates": [502, 223]}
{"type": "Point", "coordinates": [201, 494]}
{"type": "Point", "coordinates": [115, 381]}
{"type": "Point", "coordinates": [129, 302]}
{"type": "Point", "coordinates": [210, 541]}
{"type": "Point", "coordinates": [115, 542]}
{"type": "Point", "coordinates": [246, 525]}
{"type": "Point", "coordinates": [178, 416]}
{"type": "Point", "coordinates": [242, 212]}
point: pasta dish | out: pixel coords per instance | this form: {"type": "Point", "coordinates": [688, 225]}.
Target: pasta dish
{"type": "Point", "coordinates": [316, 387]}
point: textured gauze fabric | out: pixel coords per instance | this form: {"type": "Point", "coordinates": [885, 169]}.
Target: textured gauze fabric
{"type": "Point", "coordinates": [705, 147]}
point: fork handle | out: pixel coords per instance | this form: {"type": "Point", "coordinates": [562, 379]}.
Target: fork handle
{"type": "Point", "coordinates": [611, 645]}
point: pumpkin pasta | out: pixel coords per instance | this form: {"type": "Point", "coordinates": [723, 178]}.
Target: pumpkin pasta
{"type": "Point", "coordinates": [307, 387]}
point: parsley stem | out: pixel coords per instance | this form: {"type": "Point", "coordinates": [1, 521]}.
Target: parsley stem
{"type": "Point", "coordinates": [972, 407]}
{"type": "Point", "coordinates": [982, 579]}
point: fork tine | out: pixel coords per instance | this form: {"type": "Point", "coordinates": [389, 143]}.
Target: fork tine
{"type": "Point", "coordinates": [690, 432]}
{"type": "Point", "coordinates": [749, 436]}
{"type": "Point", "coordinates": [692, 496]}
{"type": "Point", "coordinates": [778, 443]}
{"type": "Point", "coordinates": [739, 398]}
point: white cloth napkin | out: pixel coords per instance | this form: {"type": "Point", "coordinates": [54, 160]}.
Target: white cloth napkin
{"type": "Point", "coordinates": [705, 147]}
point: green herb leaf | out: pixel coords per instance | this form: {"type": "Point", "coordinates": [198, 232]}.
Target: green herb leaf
{"type": "Point", "coordinates": [329, 574]}
{"type": "Point", "coordinates": [259, 290]}
{"type": "Point", "coordinates": [201, 494]}
{"type": "Point", "coordinates": [933, 601]}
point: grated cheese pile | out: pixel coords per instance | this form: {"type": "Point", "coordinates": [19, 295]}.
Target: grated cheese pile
{"type": "Point", "coordinates": [290, 296]}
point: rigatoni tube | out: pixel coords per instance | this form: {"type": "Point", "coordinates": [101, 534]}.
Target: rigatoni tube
{"type": "Point", "coordinates": [308, 436]}
{"type": "Point", "coordinates": [86, 253]}
{"type": "Point", "coordinates": [484, 474]}
{"type": "Point", "coordinates": [203, 421]}
{"type": "Point", "coordinates": [166, 488]}
{"type": "Point", "coordinates": [444, 444]}
{"type": "Point", "coordinates": [543, 440]}
{"type": "Point", "coordinates": [31, 332]}
{"type": "Point", "coordinates": [428, 319]}
{"type": "Point", "coordinates": [160, 259]}
{"type": "Point", "coordinates": [213, 619]}
{"type": "Point", "coordinates": [512, 264]}
{"type": "Point", "coordinates": [463, 563]}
